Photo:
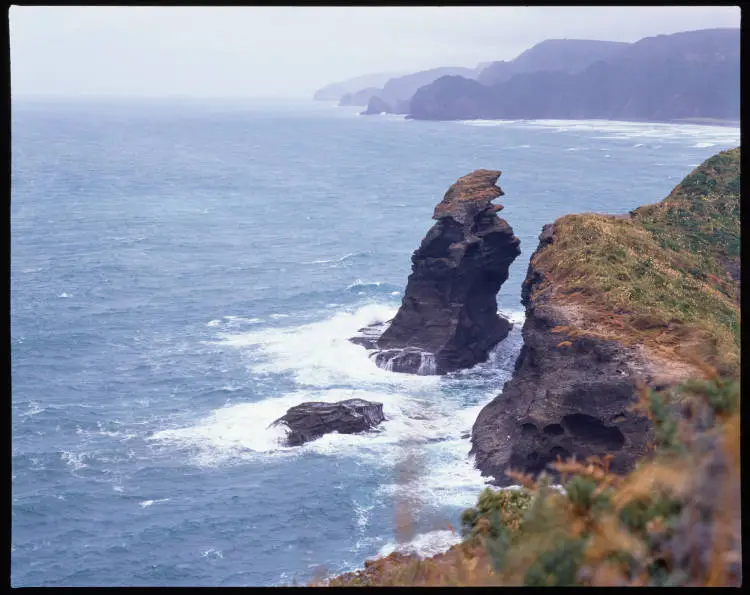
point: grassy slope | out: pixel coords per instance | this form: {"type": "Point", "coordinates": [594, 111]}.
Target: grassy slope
{"type": "Point", "coordinates": [662, 277]}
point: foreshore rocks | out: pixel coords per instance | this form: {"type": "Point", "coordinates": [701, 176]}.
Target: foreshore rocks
{"type": "Point", "coordinates": [311, 420]}
{"type": "Point", "coordinates": [563, 399]}
{"type": "Point", "coordinates": [448, 317]}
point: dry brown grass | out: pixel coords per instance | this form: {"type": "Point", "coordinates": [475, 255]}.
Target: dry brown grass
{"type": "Point", "coordinates": [659, 279]}
{"type": "Point", "coordinates": [609, 530]}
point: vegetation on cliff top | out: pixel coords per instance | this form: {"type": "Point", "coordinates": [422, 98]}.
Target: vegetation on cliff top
{"type": "Point", "coordinates": [666, 277]}
{"type": "Point", "coordinates": [672, 521]}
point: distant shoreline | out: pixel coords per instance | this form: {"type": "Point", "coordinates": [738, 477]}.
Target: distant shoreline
{"type": "Point", "coordinates": [707, 122]}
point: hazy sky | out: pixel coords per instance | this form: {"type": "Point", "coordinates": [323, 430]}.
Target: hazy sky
{"type": "Point", "coordinates": [292, 51]}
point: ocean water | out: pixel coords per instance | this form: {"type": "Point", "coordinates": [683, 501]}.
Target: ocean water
{"type": "Point", "coordinates": [182, 273]}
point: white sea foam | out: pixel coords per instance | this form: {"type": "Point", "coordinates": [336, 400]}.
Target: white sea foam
{"type": "Point", "coordinates": [335, 260]}
{"type": "Point", "coordinates": [320, 354]}
{"type": "Point", "coordinates": [74, 460]}
{"type": "Point", "coordinates": [705, 135]}
{"type": "Point", "coordinates": [147, 503]}
{"type": "Point", "coordinates": [514, 316]}
{"type": "Point", "coordinates": [212, 553]}
{"type": "Point", "coordinates": [34, 409]}
{"type": "Point", "coordinates": [241, 431]}
{"type": "Point", "coordinates": [64, 295]}
{"type": "Point", "coordinates": [359, 284]}
{"type": "Point", "coordinates": [424, 544]}
{"type": "Point", "coordinates": [242, 319]}
{"type": "Point", "coordinates": [362, 513]}
{"type": "Point", "coordinates": [319, 357]}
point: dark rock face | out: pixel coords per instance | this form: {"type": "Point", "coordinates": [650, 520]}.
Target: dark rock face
{"type": "Point", "coordinates": [448, 317]}
{"type": "Point", "coordinates": [562, 399]}
{"type": "Point", "coordinates": [308, 421]}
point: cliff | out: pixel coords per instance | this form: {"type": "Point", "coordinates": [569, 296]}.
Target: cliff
{"type": "Point", "coordinates": [652, 297]}
{"type": "Point", "coordinates": [612, 302]}
{"type": "Point", "coordinates": [448, 317]}
{"type": "Point", "coordinates": [695, 74]}
{"type": "Point", "coordinates": [397, 92]}
{"type": "Point", "coordinates": [564, 55]}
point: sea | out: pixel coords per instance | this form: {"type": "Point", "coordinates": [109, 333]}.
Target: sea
{"type": "Point", "coordinates": [184, 271]}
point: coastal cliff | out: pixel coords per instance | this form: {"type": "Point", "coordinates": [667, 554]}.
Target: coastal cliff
{"type": "Point", "coordinates": [613, 302]}
{"type": "Point", "coordinates": [632, 353]}
{"type": "Point", "coordinates": [448, 317]}
{"type": "Point", "coordinates": [668, 77]}
{"type": "Point", "coordinates": [650, 298]}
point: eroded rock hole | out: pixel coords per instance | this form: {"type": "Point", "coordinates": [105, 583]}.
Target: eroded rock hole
{"type": "Point", "coordinates": [591, 430]}
{"type": "Point", "coordinates": [553, 430]}
{"type": "Point", "coordinates": [528, 429]}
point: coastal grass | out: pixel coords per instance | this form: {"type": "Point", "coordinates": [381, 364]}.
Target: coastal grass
{"type": "Point", "coordinates": [604, 529]}
{"type": "Point", "coordinates": [662, 277]}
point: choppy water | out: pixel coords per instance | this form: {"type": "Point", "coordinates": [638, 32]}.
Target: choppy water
{"type": "Point", "coordinates": [182, 274]}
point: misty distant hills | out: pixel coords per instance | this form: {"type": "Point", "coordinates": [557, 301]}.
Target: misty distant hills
{"type": "Point", "coordinates": [335, 91]}
{"type": "Point", "coordinates": [565, 55]}
{"type": "Point", "coordinates": [397, 92]}
{"type": "Point", "coordinates": [694, 74]}
{"type": "Point", "coordinates": [361, 97]}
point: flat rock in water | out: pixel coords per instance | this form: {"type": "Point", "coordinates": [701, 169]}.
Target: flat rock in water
{"type": "Point", "coordinates": [311, 420]}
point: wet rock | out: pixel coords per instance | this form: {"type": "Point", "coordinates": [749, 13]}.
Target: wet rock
{"type": "Point", "coordinates": [560, 401]}
{"type": "Point", "coordinates": [311, 420]}
{"type": "Point", "coordinates": [448, 317]}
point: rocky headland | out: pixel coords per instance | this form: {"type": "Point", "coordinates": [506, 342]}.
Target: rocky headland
{"type": "Point", "coordinates": [694, 74]}
{"type": "Point", "coordinates": [691, 75]}
{"type": "Point", "coordinates": [631, 355]}
{"type": "Point", "coordinates": [613, 303]}
{"type": "Point", "coordinates": [448, 318]}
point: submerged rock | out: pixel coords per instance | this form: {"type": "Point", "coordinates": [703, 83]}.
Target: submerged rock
{"type": "Point", "coordinates": [448, 318]}
{"type": "Point", "coordinates": [311, 420]}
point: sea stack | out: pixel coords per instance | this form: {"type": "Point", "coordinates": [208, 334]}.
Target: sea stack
{"type": "Point", "coordinates": [448, 318]}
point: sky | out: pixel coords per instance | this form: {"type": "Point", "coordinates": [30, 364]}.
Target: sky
{"type": "Point", "coordinates": [290, 51]}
